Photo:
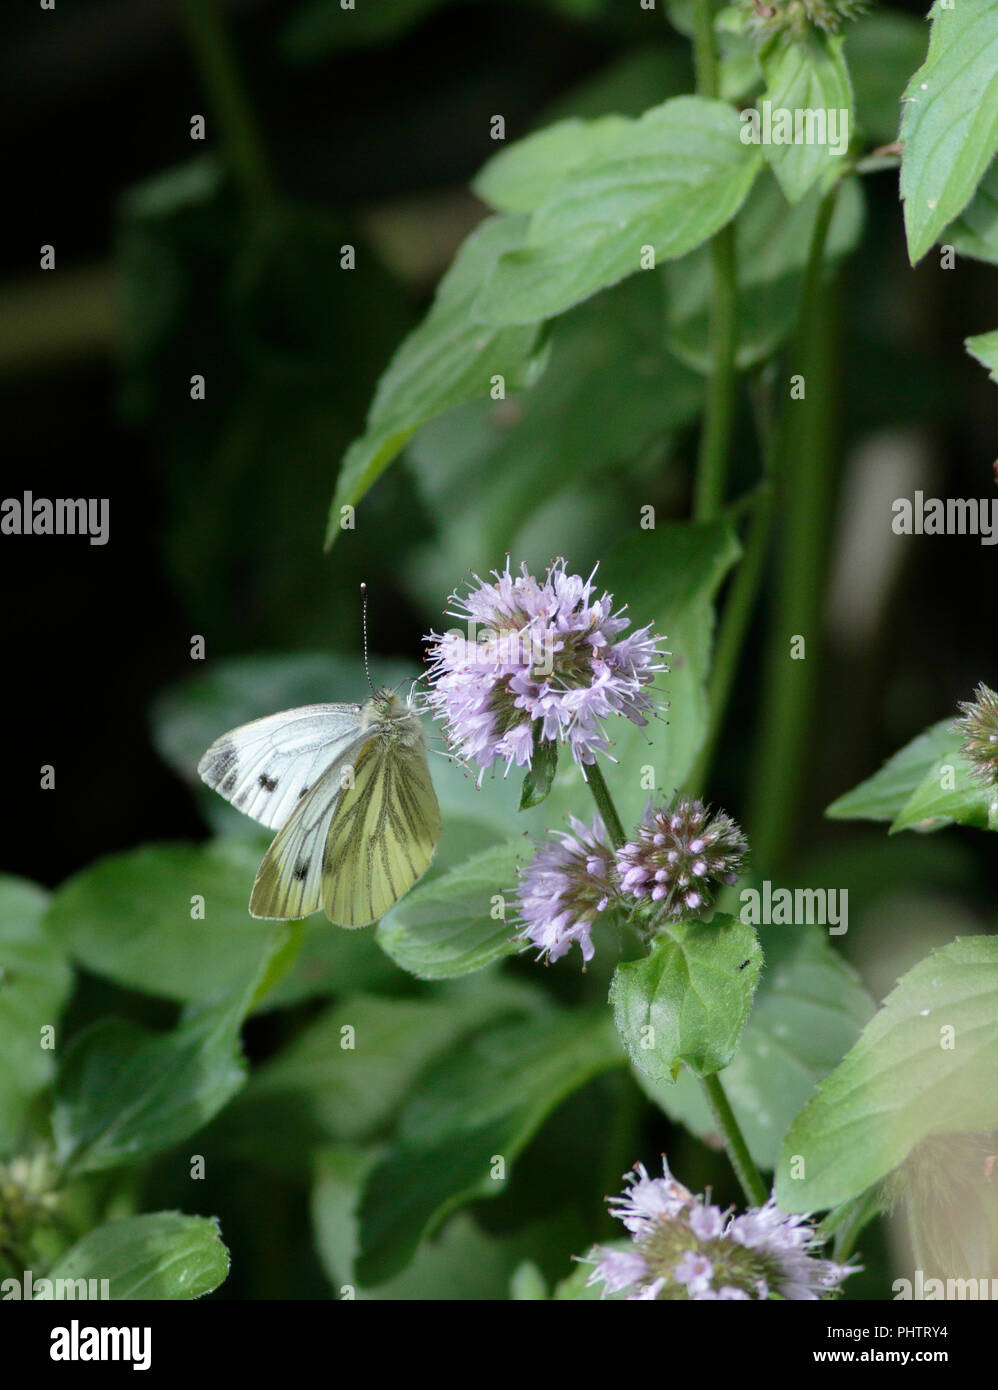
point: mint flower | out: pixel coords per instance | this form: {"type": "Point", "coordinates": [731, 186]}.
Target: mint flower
{"type": "Point", "coordinates": [564, 888]}
{"type": "Point", "coordinates": [979, 727]}
{"type": "Point", "coordinates": [545, 659]}
{"type": "Point", "coordinates": [683, 1248]}
{"type": "Point", "coordinates": [800, 17]}
{"type": "Point", "coordinates": [680, 855]}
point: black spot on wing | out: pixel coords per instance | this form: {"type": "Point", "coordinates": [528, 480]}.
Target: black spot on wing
{"type": "Point", "coordinates": [223, 759]}
{"type": "Point", "coordinates": [269, 784]}
{"type": "Point", "coordinates": [301, 872]}
{"type": "Point", "coordinates": [229, 783]}
{"type": "Point", "coordinates": [301, 793]}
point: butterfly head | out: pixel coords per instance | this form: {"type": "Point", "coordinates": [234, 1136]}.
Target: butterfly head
{"type": "Point", "coordinates": [385, 713]}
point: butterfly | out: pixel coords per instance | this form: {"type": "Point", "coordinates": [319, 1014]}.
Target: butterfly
{"type": "Point", "coordinates": [348, 790]}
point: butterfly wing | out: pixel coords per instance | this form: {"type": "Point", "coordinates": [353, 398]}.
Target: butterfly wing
{"type": "Point", "coordinates": [267, 767]}
{"type": "Point", "coordinates": [383, 835]}
{"type": "Point", "coordinates": [289, 881]}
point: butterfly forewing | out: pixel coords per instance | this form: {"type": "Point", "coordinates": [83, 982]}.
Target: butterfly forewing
{"type": "Point", "coordinates": [383, 835]}
{"type": "Point", "coordinates": [266, 768]}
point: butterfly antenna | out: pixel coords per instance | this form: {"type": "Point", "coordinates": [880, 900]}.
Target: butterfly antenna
{"type": "Point", "coordinates": [363, 618]}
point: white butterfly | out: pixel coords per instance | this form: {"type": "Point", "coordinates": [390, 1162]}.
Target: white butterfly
{"type": "Point", "coordinates": [348, 789]}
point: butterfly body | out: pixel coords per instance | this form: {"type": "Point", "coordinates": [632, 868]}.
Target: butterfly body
{"type": "Point", "coordinates": [348, 790]}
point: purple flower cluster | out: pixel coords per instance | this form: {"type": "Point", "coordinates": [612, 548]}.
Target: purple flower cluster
{"type": "Point", "coordinates": [564, 888]}
{"type": "Point", "coordinates": [685, 1248]}
{"type": "Point", "coordinates": [675, 862]}
{"type": "Point", "coordinates": [679, 855]}
{"type": "Point", "coordinates": [538, 658]}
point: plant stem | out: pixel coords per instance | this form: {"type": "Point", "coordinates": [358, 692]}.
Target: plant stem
{"type": "Point", "coordinates": [802, 473]}
{"type": "Point", "coordinates": [734, 1141]}
{"type": "Point", "coordinates": [215, 58]}
{"type": "Point", "coordinates": [605, 806]}
{"type": "Point", "coordinates": [731, 636]}
{"type": "Point", "coordinates": [715, 437]}
{"type": "Point", "coordinates": [705, 48]}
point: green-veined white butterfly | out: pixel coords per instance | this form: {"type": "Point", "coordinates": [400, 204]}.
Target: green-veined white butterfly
{"type": "Point", "coordinates": [348, 789]}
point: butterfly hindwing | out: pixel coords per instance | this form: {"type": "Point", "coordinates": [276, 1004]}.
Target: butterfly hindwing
{"type": "Point", "coordinates": [289, 881]}
{"type": "Point", "coordinates": [267, 767]}
{"type": "Point", "coordinates": [383, 835]}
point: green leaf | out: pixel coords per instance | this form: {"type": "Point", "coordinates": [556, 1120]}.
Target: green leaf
{"type": "Point", "coordinates": [924, 786]}
{"type": "Point", "coordinates": [446, 927]}
{"type": "Point", "coordinates": [882, 50]}
{"type": "Point", "coordinates": [975, 232]}
{"type": "Point", "coordinates": [882, 796]}
{"type": "Point", "coordinates": [668, 181]}
{"type": "Point", "coordinates": [540, 775]}
{"type": "Point", "coordinates": [772, 240]}
{"type": "Point", "coordinates": [950, 124]}
{"type": "Point", "coordinates": [35, 981]}
{"type": "Point", "coordinates": [519, 177]}
{"type": "Point", "coordinates": [481, 1103]}
{"type": "Point", "coordinates": [160, 1256]}
{"type": "Point", "coordinates": [688, 999]}
{"type": "Point", "coordinates": [449, 358]}
{"type": "Point", "coordinates": [985, 348]}
{"type": "Point", "coordinates": [807, 1013]}
{"type": "Point", "coordinates": [128, 917]}
{"type": "Point", "coordinates": [462, 1263]}
{"type": "Point", "coordinates": [123, 1093]}
{"type": "Point", "coordinates": [343, 1077]}
{"type": "Point", "coordinates": [949, 792]}
{"type": "Point", "coordinates": [908, 1077]}
{"type": "Point", "coordinates": [611, 398]}
{"type": "Point", "coordinates": [806, 75]}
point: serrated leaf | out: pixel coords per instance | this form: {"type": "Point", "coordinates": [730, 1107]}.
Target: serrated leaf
{"type": "Point", "coordinates": [688, 999]}
{"type": "Point", "coordinates": [123, 1093]}
{"type": "Point", "coordinates": [949, 792]}
{"type": "Point", "coordinates": [882, 796]}
{"type": "Point", "coordinates": [611, 395]}
{"type": "Point", "coordinates": [483, 1101]}
{"type": "Point", "coordinates": [449, 358]}
{"type": "Point", "coordinates": [446, 927]}
{"type": "Point", "coordinates": [950, 125]}
{"type": "Point", "coordinates": [975, 231]}
{"type": "Point", "coordinates": [343, 1077]}
{"type": "Point", "coordinates": [163, 1255]}
{"type": "Point", "coordinates": [35, 981]}
{"type": "Point", "coordinates": [907, 1077]}
{"type": "Point", "coordinates": [668, 181]}
{"type": "Point", "coordinates": [984, 347]}
{"type": "Point", "coordinates": [807, 1013]}
{"type": "Point", "coordinates": [806, 75]}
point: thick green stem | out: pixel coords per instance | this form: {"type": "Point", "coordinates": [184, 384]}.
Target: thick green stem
{"type": "Point", "coordinates": [605, 806]}
{"type": "Point", "coordinates": [734, 1141]}
{"type": "Point", "coordinates": [715, 438]}
{"type": "Point", "coordinates": [705, 49]}
{"type": "Point", "coordinates": [216, 62]}
{"type": "Point", "coordinates": [802, 472]}
{"type": "Point", "coordinates": [731, 636]}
